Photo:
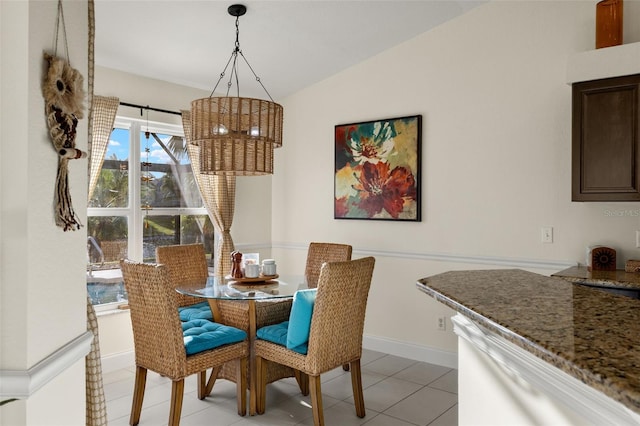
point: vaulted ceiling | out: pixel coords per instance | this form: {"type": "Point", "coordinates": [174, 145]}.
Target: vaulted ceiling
{"type": "Point", "coordinates": [289, 44]}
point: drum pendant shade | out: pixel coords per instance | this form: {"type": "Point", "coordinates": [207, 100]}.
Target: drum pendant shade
{"type": "Point", "coordinates": [236, 135]}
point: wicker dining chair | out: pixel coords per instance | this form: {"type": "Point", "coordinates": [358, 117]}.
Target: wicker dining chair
{"type": "Point", "coordinates": [335, 335]}
{"type": "Point", "coordinates": [185, 263]}
{"type": "Point", "coordinates": [161, 345]}
{"type": "Point", "coordinates": [319, 253]}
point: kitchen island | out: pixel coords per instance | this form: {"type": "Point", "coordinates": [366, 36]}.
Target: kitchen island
{"type": "Point", "coordinates": [535, 349]}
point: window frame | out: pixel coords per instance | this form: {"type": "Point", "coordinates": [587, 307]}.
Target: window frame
{"type": "Point", "coordinates": [134, 213]}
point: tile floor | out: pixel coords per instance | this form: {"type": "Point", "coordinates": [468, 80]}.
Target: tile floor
{"type": "Point", "coordinates": [397, 392]}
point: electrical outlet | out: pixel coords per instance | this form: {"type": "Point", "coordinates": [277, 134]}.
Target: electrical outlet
{"type": "Point", "coordinates": [637, 239]}
{"type": "Point", "coordinates": [442, 323]}
{"type": "Point", "coordinates": [546, 234]}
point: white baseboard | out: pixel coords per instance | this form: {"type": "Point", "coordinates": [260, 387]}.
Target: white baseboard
{"type": "Point", "coordinates": [119, 361]}
{"type": "Point", "coordinates": [411, 351]}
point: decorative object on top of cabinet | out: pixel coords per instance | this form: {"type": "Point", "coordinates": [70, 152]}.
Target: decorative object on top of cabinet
{"type": "Point", "coordinates": [377, 169]}
{"type": "Point", "coordinates": [632, 266]}
{"type": "Point", "coordinates": [606, 140]}
{"type": "Point", "coordinates": [602, 259]}
{"type": "Point", "coordinates": [609, 22]}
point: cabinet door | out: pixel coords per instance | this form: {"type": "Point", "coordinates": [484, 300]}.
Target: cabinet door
{"type": "Point", "coordinates": [606, 145]}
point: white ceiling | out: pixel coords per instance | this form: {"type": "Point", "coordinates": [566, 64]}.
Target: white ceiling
{"type": "Point", "coordinates": [289, 44]}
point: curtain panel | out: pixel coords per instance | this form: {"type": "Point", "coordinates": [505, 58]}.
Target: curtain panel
{"type": "Point", "coordinates": [103, 117]}
{"type": "Point", "coordinates": [219, 196]}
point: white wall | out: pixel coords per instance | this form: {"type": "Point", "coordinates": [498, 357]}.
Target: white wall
{"type": "Point", "coordinates": [42, 268]}
{"type": "Point", "coordinates": [496, 146]}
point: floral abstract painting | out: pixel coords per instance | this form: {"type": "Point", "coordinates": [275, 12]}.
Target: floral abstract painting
{"type": "Point", "coordinates": [377, 169]}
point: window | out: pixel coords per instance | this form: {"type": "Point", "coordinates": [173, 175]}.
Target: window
{"type": "Point", "coordinates": [146, 196]}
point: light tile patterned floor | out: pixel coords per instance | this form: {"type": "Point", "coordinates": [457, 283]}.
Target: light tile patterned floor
{"type": "Point", "coordinates": [397, 392]}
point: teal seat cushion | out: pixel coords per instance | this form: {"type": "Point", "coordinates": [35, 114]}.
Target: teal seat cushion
{"type": "Point", "coordinates": [300, 320]}
{"type": "Point", "coordinates": [276, 333]}
{"type": "Point", "coordinates": [197, 311]}
{"type": "Point", "coordinates": [200, 335]}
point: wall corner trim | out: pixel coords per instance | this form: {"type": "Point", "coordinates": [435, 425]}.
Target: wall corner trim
{"type": "Point", "coordinates": [22, 384]}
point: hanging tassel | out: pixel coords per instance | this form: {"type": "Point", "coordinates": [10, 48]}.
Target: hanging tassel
{"type": "Point", "coordinates": [66, 217]}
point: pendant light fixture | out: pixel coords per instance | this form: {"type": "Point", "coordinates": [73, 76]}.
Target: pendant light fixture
{"type": "Point", "coordinates": [236, 135]}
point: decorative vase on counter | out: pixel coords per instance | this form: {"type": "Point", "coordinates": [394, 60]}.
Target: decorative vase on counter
{"type": "Point", "coordinates": [609, 15]}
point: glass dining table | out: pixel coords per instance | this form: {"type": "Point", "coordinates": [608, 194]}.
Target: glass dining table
{"type": "Point", "coordinates": [248, 290]}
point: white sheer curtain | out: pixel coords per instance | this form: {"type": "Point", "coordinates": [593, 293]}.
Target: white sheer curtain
{"type": "Point", "coordinates": [219, 196]}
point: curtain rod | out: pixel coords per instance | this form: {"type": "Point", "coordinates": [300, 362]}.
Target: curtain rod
{"type": "Point", "coordinates": [141, 107]}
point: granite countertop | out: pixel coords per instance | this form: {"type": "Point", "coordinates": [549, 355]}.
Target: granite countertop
{"type": "Point", "coordinates": [591, 335]}
{"type": "Point", "coordinates": [613, 279]}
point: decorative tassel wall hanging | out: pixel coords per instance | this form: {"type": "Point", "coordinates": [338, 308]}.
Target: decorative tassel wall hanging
{"type": "Point", "coordinates": [63, 94]}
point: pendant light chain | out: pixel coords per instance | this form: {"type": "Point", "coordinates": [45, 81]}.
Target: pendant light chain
{"type": "Point", "coordinates": [234, 68]}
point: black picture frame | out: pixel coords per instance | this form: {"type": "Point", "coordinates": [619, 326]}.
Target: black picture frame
{"type": "Point", "coordinates": [377, 172]}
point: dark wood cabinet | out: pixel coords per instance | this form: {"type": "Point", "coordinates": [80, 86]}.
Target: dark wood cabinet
{"type": "Point", "coordinates": [606, 140]}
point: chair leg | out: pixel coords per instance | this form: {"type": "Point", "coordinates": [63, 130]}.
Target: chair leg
{"type": "Point", "coordinates": [212, 380]}
{"type": "Point", "coordinates": [316, 400]}
{"type": "Point", "coordinates": [303, 382]}
{"type": "Point", "coordinates": [138, 395]}
{"type": "Point", "coordinates": [356, 384]}
{"type": "Point", "coordinates": [261, 385]}
{"type": "Point", "coordinates": [177, 391]}
{"type": "Point", "coordinates": [205, 387]}
{"type": "Point", "coordinates": [241, 385]}
{"type": "Point", "coordinates": [202, 384]}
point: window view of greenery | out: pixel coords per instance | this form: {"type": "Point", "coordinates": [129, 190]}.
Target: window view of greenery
{"type": "Point", "coordinates": [146, 196]}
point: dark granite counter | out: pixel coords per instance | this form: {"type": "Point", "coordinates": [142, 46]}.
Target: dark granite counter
{"type": "Point", "coordinates": [591, 335]}
{"type": "Point", "coordinates": [618, 279]}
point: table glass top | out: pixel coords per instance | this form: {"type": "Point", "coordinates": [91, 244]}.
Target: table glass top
{"type": "Point", "coordinates": [224, 288]}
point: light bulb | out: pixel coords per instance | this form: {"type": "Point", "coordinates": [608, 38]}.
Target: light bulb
{"type": "Point", "coordinates": [220, 129]}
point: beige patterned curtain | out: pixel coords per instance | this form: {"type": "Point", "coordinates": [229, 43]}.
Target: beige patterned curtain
{"type": "Point", "coordinates": [96, 406]}
{"type": "Point", "coordinates": [96, 403]}
{"type": "Point", "coordinates": [103, 116]}
{"type": "Point", "coordinates": [219, 196]}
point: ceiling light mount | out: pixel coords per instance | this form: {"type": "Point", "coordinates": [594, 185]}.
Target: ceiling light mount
{"type": "Point", "coordinates": [237, 10]}
{"type": "Point", "coordinates": [236, 135]}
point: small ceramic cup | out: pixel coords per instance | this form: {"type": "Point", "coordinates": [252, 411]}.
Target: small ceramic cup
{"type": "Point", "coordinates": [251, 270]}
{"type": "Point", "coordinates": [268, 267]}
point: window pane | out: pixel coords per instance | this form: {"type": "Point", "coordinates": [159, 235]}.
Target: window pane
{"type": "Point", "coordinates": [112, 188]}
{"type": "Point", "coordinates": [167, 180]}
{"type": "Point", "coordinates": [163, 178]}
{"type": "Point", "coordinates": [105, 292]}
{"type": "Point", "coordinates": [107, 242]}
{"type": "Point", "coordinates": [106, 245]}
{"type": "Point", "coordinates": [179, 229]}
